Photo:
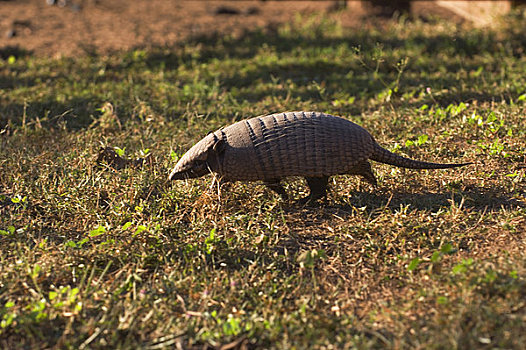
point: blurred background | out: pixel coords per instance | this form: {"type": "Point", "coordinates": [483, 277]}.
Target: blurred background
{"type": "Point", "coordinates": [71, 27]}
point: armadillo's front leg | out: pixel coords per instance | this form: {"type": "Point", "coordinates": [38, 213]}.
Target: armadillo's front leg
{"type": "Point", "coordinates": [218, 183]}
{"type": "Point", "coordinates": [275, 186]}
{"type": "Point", "coordinates": [318, 189]}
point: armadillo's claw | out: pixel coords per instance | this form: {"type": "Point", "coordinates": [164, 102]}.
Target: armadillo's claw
{"type": "Point", "coordinates": [372, 181]}
{"type": "Point", "coordinates": [309, 201]}
{"type": "Point", "coordinates": [318, 189]}
{"type": "Point", "coordinates": [304, 201]}
{"type": "Point", "coordinates": [275, 186]}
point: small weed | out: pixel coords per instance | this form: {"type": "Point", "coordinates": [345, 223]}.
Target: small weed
{"type": "Point", "coordinates": [422, 139]}
{"type": "Point", "coordinates": [462, 267]}
{"type": "Point", "coordinates": [10, 231]}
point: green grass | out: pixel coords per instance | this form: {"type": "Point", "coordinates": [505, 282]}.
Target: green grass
{"type": "Point", "coordinates": [98, 258]}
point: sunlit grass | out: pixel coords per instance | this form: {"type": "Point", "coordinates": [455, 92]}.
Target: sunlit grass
{"type": "Point", "coordinates": [92, 257]}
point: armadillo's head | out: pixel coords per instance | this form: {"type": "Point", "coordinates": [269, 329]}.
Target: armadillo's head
{"type": "Point", "coordinates": [201, 159]}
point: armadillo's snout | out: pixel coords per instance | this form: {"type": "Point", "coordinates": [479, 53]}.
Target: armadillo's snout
{"type": "Point", "coordinates": [181, 171]}
{"type": "Point", "coordinates": [197, 169]}
{"type": "Point", "coordinates": [182, 174]}
{"type": "Point", "coordinates": [178, 175]}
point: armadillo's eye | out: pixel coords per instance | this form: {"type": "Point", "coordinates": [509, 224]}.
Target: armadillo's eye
{"type": "Point", "coordinates": [198, 164]}
{"type": "Point", "coordinates": [203, 156]}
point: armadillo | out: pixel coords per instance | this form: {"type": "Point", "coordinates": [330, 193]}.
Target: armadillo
{"type": "Point", "coordinates": [272, 147]}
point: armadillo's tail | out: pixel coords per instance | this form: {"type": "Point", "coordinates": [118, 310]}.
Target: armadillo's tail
{"type": "Point", "coordinates": [384, 156]}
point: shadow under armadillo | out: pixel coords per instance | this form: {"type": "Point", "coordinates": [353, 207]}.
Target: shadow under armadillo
{"type": "Point", "coordinates": [477, 199]}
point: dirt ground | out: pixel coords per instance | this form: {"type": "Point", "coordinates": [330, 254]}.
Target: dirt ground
{"type": "Point", "coordinates": [70, 28]}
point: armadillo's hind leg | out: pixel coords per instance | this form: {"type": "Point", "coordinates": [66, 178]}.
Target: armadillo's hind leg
{"type": "Point", "coordinates": [364, 169]}
{"type": "Point", "coordinates": [318, 189]}
{"type": "Point", "coordinates": [275, 186]}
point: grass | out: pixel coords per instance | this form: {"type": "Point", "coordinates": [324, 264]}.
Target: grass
{"type": "Point", "coordinates": [99, 258]}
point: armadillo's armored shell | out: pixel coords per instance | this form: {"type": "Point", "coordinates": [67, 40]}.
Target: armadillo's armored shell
{"type": "Point", "coordinates": [309, 144]}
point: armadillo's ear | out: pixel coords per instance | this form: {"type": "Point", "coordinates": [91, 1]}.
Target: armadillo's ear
{"type": "Point", "coordinates": [219, 146]}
